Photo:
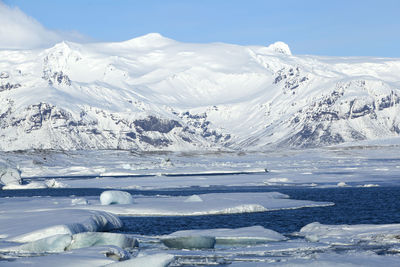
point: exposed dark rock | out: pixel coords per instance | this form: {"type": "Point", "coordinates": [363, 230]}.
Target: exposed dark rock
{"type": "Point", "coordinates": [156, 142]}
{"type": "Point", "coordinates": [131, 135]}
{"type": "Point", "coordinates": [155, 124]}
{"type": "Point", "coordinates": [9, 86]}
{"type": "Point", "coordinates": [186, 139]}
{"type": "Point", "coordinates": [291, 77]}
{"type": "Point", "coordinates": [57, 77]}
{"type": "Point", "coordinates": [357, 135]}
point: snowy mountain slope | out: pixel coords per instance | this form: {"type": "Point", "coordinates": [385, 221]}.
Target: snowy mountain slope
{"type": "Point", "coordinates": [153, 93]}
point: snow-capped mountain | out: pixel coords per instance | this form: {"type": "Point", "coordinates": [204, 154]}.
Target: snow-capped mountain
{"type": "Point", "coordinates": [153, 93]}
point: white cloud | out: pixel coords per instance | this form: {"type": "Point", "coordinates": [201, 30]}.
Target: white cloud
{"type": "Point", "coordinates": [19, 31]}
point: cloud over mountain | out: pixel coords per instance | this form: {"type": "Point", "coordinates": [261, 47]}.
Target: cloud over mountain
{"type": "Point", "coordinates": [20, 31]}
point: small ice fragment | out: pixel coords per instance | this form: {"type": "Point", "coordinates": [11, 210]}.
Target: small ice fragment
{"type": "Point", "coordinates": [189, 242]}
{"type": "Point", "coordinates": [341, 184]}
{"type": "Point", "coordinates": [194, 198]}
{"type": "Point", "coordinates": [115, 197]}
{"type": "Point", "coordinates": [278, 180]}
{"type": "Point", "coordinates": [370, 185]}
{"type": "Point", "coordinates": [90, 239]}
{"type": "Point", "coordinates": [52, 183]}
{"type": "Point", "coordinates": [79, 201]}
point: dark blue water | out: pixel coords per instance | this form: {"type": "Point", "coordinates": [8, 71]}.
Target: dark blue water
{"type": "Point", "coordinates": [376, 205]}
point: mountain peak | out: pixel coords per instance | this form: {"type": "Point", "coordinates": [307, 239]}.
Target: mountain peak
{"type": "Point", "coordinates": [281, 48]}
{"type": "Point", "coordinates": [149, 40]}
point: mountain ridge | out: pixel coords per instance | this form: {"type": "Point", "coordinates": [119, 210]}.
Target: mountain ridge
{"type": "Point", "coordinates": [154, 93]}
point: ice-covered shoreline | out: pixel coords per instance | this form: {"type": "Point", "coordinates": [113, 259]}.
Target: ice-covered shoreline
{"type": "Point", "coordinates": [336, 166]}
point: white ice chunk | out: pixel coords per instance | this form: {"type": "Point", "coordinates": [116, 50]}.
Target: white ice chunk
{"type": "Point", "coordinates": [9, 176]}
{"type": "Point", "coordinates": [53, 183]}
{"type": "Point", "coordinates": [90, 239]}
{"type": "Point", "coordinates": [342, 184]}
{"type": "Point", "coordinates": [370, 185]}
{"type": "Point", "coordinates": [115, 197]}
{"type": "Point", "coordinates": [194, 198]}
{"type": "Point", "coordinates": [278, 180]}
{"type": "Point", "coordinates": [79, 201]}
{"type": "Point", "coordinates": [349, 234]}
{"type": "Point", "coordinates": [189, 242]}
{"type": "Point", "coordinates": [244, 235]}
{"type": "Point", "coordinates": [155, 260]}
{"type": "Point", "coordinates": [55, 243]}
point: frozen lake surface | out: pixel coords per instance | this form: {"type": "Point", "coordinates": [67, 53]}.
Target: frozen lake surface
{"type": "Point", "coordinates": [333, 207]}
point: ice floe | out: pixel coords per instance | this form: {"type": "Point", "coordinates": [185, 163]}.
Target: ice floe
{"type": "Point", "coordinates": [90, 239]}
{"type": "Point", "coordinates": [54, 243]}
{"type": "Point", "coordinates": [36, 220]}
{"type": "Point", "coordinates": [217, 203]}
{"type": "Point", "coordinates": [225, 236]}
{"type": "Point", "coordinates": [189, 242]}
{"type": "Point", "coordinates": [351, 234]}
{"type": "Point", "coordinates": [115, 197]}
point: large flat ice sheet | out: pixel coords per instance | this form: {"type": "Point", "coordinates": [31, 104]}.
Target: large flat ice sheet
{"type": "Point", "coordinates": [207, 204]}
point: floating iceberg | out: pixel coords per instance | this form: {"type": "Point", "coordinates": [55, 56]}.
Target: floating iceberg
{"type": "Point", "coordinates": [194, 198]}
{"type": "Point", "coordinates": [53, 183]}
{"type": "Point", "coordinates": [244, 236]}
{"type": "Point", "coordinates": [62, 242]}
{"type": "Point", "coordinates": [115, 197]}
{"type": "Point", "coordinates": [94, 221]}
{"type": "Point", "coordinates": [189, 242]}
{"type": "Point", "coordinates": [90, 239]}
{"type": "Point", "coordinates": [79, 201]}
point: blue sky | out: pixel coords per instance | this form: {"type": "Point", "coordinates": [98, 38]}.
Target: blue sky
{"type": "Point", "coordinates": [335, 27]}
